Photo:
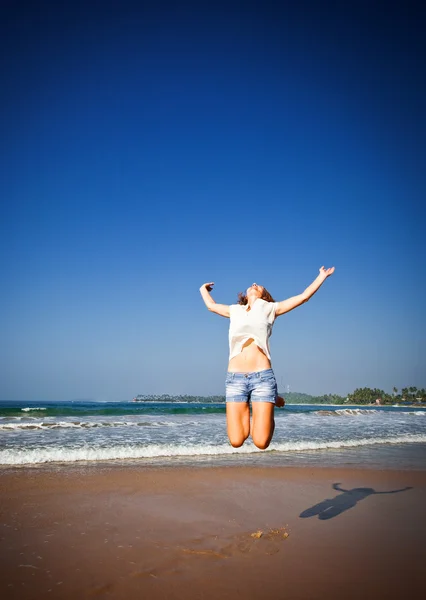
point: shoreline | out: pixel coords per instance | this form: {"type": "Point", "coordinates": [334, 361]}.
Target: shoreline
{"type": "Point", "coordinates": [190, 532]}
{"type": "Point", "coordinates": [402, 453]}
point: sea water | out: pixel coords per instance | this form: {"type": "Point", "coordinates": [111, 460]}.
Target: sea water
{"type": "Point", "coordinates": [172, 432]}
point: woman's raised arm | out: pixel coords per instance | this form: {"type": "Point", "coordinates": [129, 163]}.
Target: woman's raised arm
{"type": "Point", "coordinates": [219, 309]}
{"type": "Point", "coordinates": [287, 305]}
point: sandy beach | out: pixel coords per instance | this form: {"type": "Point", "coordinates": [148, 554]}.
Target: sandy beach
{"type": "Point", "coordinates": [183, 533]}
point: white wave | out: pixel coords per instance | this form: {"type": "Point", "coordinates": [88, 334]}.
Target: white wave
{"type": "Point", "coordinates": [346, 412]}
{"type": "Point", "coordinates": [46, 425]}
{"type": "Point", "coordinates": [35, 408]}
{"type": "Point", "coordinates": [356, 411]}
{"type": "Point", "coordinates": [89, 453]}
{"type": "Point", "coordinates": [40, 425]}
{"type": "Point", "coordinates": [361, 411]}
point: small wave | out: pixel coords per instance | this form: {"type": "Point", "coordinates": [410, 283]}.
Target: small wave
{"type": "Point", "coordinates": [94, 454]}
{"type": "Point", "coordinates": [46, 425]}
{"type": "Point", "coordinates": [28, 409]}
{"type": "Point", "coordinates": [350, 412]}
{"type": "Point", "coordinates": [346, 412]}
{"type": "Point", "coordinates": [356, 411]}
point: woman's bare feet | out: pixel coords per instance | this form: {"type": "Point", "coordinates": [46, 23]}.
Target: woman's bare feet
{"type": "Point", "coordinates": [279, 401]}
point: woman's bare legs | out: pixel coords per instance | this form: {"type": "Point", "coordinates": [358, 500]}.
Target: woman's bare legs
{"type": "Point", "coordinates": [238, 422]}
{"type": "Point", "coordinates": [263, 424]}
{"type": "Point", "coordinates": [261, 427]}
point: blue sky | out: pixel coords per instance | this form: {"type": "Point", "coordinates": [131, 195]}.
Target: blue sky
{"type": "Point", "coordinates": [147, 150]}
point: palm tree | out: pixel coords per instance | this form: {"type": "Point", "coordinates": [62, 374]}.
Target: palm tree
{"type": "Point", "coordinates": [395, 390]}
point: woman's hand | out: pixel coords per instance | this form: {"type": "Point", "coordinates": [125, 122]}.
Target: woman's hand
{"type": "Point", "coordinates": [291, 303]}
{"type": "Point", "coordinates": [207, 286]}
{"type": "Point", "coordinates": [220, 309]}
{"type": "Point", "coordinates": [279, 401]}
{"type": "Point", "coordinates": [326, 272]}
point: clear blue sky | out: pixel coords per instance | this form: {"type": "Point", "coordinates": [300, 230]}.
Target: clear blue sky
{"type": "Point", "coordinates": [147, 150]}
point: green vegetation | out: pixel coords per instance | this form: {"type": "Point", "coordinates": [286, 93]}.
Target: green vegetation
{"type": "Point", "coordinates": [365, 395]}
{"type": "Point", "coordinates": [298, 398]}
{"type": "Point", "coordinates": [409, 395]}
{"type": "Point", "coordinates": [177, 398]}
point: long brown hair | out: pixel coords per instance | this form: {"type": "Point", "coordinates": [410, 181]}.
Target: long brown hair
{"type": "Point", "coordinates": [242, 298]}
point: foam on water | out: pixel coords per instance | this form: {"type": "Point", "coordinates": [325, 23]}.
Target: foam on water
{"type": "Point", "coordinates": [350, 412]}
{"type": "Point", "coordinates": [12, 423]}
{"type": "Point", "coordinates": [19, 456]}
{"type": "Point", "coordinates": [42, 425]}
{"type": "Point", "coordinates": [70, 433]}
{"type": "Point", "coordinates": [345, 412]}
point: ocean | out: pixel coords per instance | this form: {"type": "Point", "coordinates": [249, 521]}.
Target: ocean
{"type": "Point", "coordinates": [181, 433]}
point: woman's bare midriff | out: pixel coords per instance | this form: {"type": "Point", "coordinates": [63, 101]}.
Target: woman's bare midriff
{"type": "Point", "coordinates": [250, 359]}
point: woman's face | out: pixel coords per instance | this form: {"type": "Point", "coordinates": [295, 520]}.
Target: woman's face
{"type": "Point", "coordinates": [255, 290]}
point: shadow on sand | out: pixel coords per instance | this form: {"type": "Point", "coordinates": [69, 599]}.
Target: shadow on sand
{"type": "Point", "coordinates": [332, 507]}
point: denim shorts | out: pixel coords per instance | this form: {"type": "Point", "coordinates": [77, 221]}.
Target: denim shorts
{"type": "Point", "coordinates": [259, 386]}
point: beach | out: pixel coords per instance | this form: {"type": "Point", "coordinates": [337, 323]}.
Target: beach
{"type": "Point", "coordinates": [173, 532]}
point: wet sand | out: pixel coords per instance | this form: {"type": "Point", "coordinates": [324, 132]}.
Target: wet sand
{"type": "Point", "coordinates": [206, 533]}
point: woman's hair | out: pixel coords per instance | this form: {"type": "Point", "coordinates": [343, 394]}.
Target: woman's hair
{"type": "Point", "coordinates": [242, 298]}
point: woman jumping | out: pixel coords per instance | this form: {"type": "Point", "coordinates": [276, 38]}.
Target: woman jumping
{"type": "Point", "coordinates": [250, 376]}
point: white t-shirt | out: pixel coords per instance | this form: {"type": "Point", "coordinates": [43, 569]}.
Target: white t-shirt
{"type": "Point", "coordinates": [254, 324]}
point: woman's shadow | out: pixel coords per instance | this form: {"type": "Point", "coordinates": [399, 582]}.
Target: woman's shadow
{"type": "Point", "coordinates": [332, 507]}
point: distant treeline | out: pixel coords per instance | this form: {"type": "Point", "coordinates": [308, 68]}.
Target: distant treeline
{"type": "Point", "coordinates": [299, 398]}
{"type": "Point", "coordinates": [178, 398]}
{"type": "Point", "coordinates": [410, 395]}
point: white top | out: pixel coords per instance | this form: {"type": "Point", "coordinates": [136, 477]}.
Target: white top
{"type": "Point", "coordinates": [254, 324]}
